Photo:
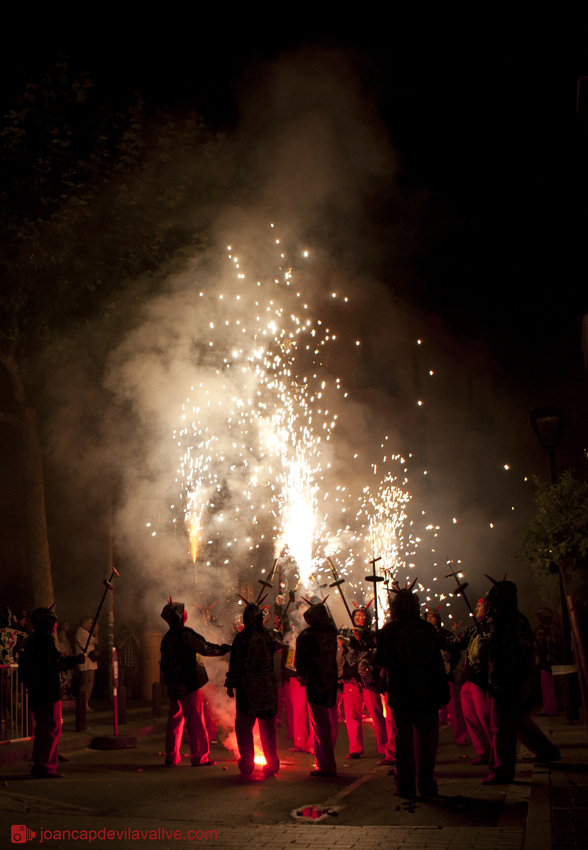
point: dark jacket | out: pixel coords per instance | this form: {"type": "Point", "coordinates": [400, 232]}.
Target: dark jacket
{"type": "Point", "coordinates": [316, 657]}
{"type": "Point", "coordinates": [251, 668]}
{"type": "Point", "coordinates": [475, 667]}
{"type": "Point", "coordinates": [183, 671]}
{"type": "Point", "coordinates": [39, 668]}
{"type": "Point", "coordinates": [410, 651]}
{"type": "Point", "coordinates": [358, 659]}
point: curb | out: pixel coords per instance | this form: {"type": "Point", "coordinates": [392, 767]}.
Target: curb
{"type": "Point", "coordinates": [69, 742]}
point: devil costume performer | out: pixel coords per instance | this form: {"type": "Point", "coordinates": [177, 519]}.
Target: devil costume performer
{"type": "Point", "coordinates": [509, 662]}
{"type": "Point", "coordinates": [39, 668]}
{"type": "Point", "coordinates": [294, 689]}
{"type": "Point", "coordinates": [547, 651]}
{"type": "Point", "coordinates": [361, 681]}
{"type": "Point", "coordinates": [184, 674]}
{"type": "Point", "coordinates": [409, 649]}
{"type": "Point", "coordinates": [316, 664]}
{"type": "Point", "coordinates": [251, 673]}
{"type": "Point", "coordinates": [475, 699]}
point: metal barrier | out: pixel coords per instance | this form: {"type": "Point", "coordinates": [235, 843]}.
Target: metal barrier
{"type": "Point", "coordinates": [16, 719]}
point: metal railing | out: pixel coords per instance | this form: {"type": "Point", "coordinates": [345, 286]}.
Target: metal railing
{"type": "Point", "coordinates": [16, 719]}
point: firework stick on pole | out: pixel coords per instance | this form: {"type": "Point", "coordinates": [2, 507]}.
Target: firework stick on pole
{"type": "Point", "coordinates": [337, 583]}
{"type": "Point", "coordinates": [460, 591]}
{"type": "Point", "coordinates": [374, 579]}
{"type": "Point", "coordinates": [266, 584]}
{"type": "Point", "coordinates": [107, 586]}
{"type": "Point", "coordinates": [285, 612]}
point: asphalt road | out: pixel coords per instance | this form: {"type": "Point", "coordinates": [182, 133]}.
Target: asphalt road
{"type": "Point", "coordinates": [118, 789]}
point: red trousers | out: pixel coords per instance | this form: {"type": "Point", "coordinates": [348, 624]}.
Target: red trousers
{"type": "Point", "coordinates": [267, 732]}
{"type": "Point", "coordinates": [47, 735]}
{"type": "Point", "coordinates": [389, 749]}
{"type": "Point", "coordinates": [354, 697]}
{"type": "Point", "coordinates": [475, 704]}
{"type": "Point", "coordinates": [324, 726]}
{"type": "Point", "coordinates": [458, 726]}
{"type": "Point", "coordinates": [188, 711]}
{"type": "Point", "coordinates": [299, 715]}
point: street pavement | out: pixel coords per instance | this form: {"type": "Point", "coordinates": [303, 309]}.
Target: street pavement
{"type": "Point", "coordinates": [127, 798]}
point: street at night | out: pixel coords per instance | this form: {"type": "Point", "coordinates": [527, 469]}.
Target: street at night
{"type": "Point", "coordinates": [132, 788]}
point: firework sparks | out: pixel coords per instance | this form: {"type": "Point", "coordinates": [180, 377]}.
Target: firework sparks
{"type": "Point", "coordinates": [253, 436]}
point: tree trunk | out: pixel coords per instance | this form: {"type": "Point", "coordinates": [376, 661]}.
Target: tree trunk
{"type": "Point", "coordinates": [32, 468]}
{"type": "Point", "coordinates": [38, 543]}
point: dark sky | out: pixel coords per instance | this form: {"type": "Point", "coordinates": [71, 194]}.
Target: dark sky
{"type": "Point", "coordinates": [480, 108]}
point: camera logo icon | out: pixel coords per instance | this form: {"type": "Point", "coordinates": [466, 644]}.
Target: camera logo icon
{"type": "Point", "coordinates": [19, 834]}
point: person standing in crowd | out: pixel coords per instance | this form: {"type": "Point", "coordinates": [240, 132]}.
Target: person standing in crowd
{"type": "Point", "coordinates": [87, 669]}
{"type": "Point", "coordinates": [65, 647]}
{"type": "Point", "coordinates": [408, 648]}
{"type": "Point", "coordinates": [12, 638]}
{"type": "Point", "coordinates": [475, 699]}
{"type": "Point", "coordinates": [39, 668]}
{"type": "Point", "coordinates": [294, 689]}
{"type": "Point", "coordinates": [547, 651]}
{"type": "Point", "coordinates": [361, 682]}
{"type": "Point", "coordinates": [184, 674]}
{"type": "Point", "coordinates": [251, 673]}
{"type": "Point", "coordinates": [316, 664]}
{"type": "Point", "coordinates": [451, 658]}
{"type": "Point", "coordinates": [510, 652]}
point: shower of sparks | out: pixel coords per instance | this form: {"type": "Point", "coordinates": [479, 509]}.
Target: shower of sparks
{"type": "Point", "coordinates": [252, 440]}
{"type": "Point", "coordinates": [264, 393]}
{"type": "Point", "coordinates": [386, 515]}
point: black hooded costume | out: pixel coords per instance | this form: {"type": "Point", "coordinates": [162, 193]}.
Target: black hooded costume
{"type": "Point", "coordinates": [316, 664]}
{"type": "Point", "coordinates": [251, 673]}
{"type": "Point", "coordinates": [409, 649]}
{"type": "Point", "coordinates": [251, 668]}
{"type": "Point", "coordinates": [316, 656]}
{"type": "Point", "coordinates": [510, 657]}
{"type": "Point", "coordinates": [39, 668]}
{"type": "Point", "coordinates": [183, 671]}
{"type": "Point", "coordinates": [185, 674]}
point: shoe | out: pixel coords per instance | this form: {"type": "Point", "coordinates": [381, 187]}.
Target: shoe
{"type": "Point", "coordinates": [208, 763]}
{"type": "Point", "coordinates": [353, 756]}
{"type": "Point", "coordinates": [171, 763]}
{"type": "Point", "coordinates": [496, 780]}
{"type": "Point", "coordinates": [385, 761]}
{"type": "Point", "coordinates": [410, 793]}
{"type": "Point", "coordinates": [299, 750]}
{"type": "Point", "coordinates": [318, 772]}
{"type": "Point", "coordinates": [428, 791]}
{"type": "Point", "coordinates": [45, 773]}
{"type": "Point", "coordinates": [480, 760]}
{"type": "Point", "coordinates": [541, 758]}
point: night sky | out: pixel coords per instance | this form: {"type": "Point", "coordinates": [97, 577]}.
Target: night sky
{"type": "Point", "coordinates": [480, 110]}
